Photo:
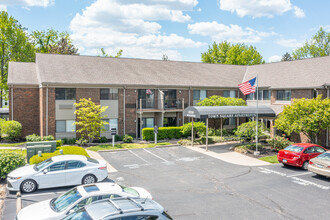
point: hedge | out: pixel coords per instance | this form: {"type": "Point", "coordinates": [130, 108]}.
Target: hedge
{"type": "Point", "coordinates": [163, 133]}
{"type": "Point", "coordinates": [36, 138]}
{"type": "Point", "coordinates": [66, 150]}
{"type": "Point", "coordinates": [10, 161]}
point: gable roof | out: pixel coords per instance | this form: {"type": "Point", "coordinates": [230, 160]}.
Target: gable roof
{"type": "Point", "coordinates": [22, 74]}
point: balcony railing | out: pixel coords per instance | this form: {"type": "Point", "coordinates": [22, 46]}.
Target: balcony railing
{"type": "Point", "coordinates": [172, 104]}
{"type": "Point", "coordinates": [145, 103]}
{"type": "Point", "coordinates": [163, 105]}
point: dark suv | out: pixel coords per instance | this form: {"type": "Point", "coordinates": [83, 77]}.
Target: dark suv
{"type": "Point", "coordinates": [121, 209]}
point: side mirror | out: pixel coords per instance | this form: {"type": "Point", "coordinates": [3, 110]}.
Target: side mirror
{"type": "Point", "coordinates": [45, 171]}
{"type": "Point", "coordinates": [70, 212]}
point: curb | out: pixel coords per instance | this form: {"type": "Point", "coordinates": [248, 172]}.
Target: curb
{"type": "Point", "coordinates": [126, 149]}
{"type": "Point", "coordinates": [96, 155]}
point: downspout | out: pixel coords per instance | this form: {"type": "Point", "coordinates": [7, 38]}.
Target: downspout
{"type": "Point", "coordinates": [47, 110]}
{"type": "Point", "coordinates": [12, 103]}
{"type": "Point", "coordinates": [124, 112]}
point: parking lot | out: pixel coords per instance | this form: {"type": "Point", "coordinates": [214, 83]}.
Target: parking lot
{"type": "Point", "coordinates": [192, 185]}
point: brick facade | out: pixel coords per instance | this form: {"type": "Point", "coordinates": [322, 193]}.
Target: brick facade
{"type": "Point", "coordinates": [301, 93]}
{"type": "Point", "coordinates": [26, 109]}
{"type": "Point", "coordinates": [130, 122]}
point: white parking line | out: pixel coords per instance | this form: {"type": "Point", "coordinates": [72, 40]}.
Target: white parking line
{"type": "Point", "coordinates": [156, 156]}
{"type": "Point", "coordinates": [300, 174]}
{"type": "Point", "coordinates": [306, 183]}
{"type": "Point", "coordinates": [42, 194]}
{"type": "Point", "coordinates": [139, 157]}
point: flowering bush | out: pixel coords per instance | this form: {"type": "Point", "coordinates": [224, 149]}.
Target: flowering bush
{"type": "Point", "coordinates": [279, 142]}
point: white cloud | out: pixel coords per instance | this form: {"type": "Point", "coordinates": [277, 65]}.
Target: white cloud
{"type": "Point", "coordinates": [275, 58]}
{"type": "Point", "coordinates": [291, 43]}
{"type": "Point", "coordinates": [260, 8]}
{"type": "Point", "coordinates": [3, 8]}
{"type": "Point", "coordinates": [232, 33]}
{"type": "Point", "coordinates": [131, 26]}
{"type": "Point", "coordinates": [27, 3]}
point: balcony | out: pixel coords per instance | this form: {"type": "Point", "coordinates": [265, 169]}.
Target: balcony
{"type": "Point", "coordinates": [168, 105]}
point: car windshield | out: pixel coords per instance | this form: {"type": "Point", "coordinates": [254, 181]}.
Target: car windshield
{"type": "Point", "coordinates": [43, 164]}
{"type": "Point", "coordinates": [130, 191]}
{"type": "Point", "coordinates": [324, 156]}
{"type": "Point", "coordinates": [294, 148]}
{"type": "Point", "coordinates": [78, 215]}
{"type": "Point", "coordinates": [65, 200]}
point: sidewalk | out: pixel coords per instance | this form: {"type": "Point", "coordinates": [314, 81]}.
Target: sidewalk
{"type": "Point", "coordinates": [231, 157]}
{"type": "Point", "coordinates": [97, 156]}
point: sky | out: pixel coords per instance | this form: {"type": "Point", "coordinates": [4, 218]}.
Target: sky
{"type": "Point", "coordinates": [181, 29]}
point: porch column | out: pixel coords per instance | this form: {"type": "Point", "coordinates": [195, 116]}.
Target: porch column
{"type": "Point", "coordinates": [207, 133]}
{"type": "Point", "coordinates": [192, 132]}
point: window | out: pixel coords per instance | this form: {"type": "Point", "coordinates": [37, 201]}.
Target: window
{"type": "Point", "coordinates": [148, 123]}
{"type": "Point", "coordinates": [262, 95]}
{"type": "Point", "coordinates": [64, 126]}
{"type": "Point", "coordinates": [284, 95]}
{"type": "Point", "coordinates": [85, 202]}
{"type": "Point", "coordinates": [109, 94]}
{"type": "Point", "coordinates": [57, 166]}
{"type": "Point", "coordinates": [74, 164]}
{"type": "Point", "coordinates": [230, 121]}
{"type": "Point", "coordinates": [319, 150]}
{"type": "Point", "coordinates": [113, 123]}
{"type": "Point", "coordinates": [314, 93]}
{"type": "Point", "coordinates": [199, 95]}
{"type": "Point", "coordinates": [229, 93]}
{"type": "Point", "coordinates": [65, 94]}
{"type": "Point", "coordinates": [147, 97]}
{"type": "Point", "coordinates": [309, 150]}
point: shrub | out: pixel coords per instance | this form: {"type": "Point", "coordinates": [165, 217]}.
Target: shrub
{"type": "Point", "coordinates": [33, 138]}
{"type": "Point", "coordinates": [246, 147]}
{"type": "Point", "coordinates": [10, 161]}
{"type": "Point", "coordinates": [163, 133]}
{"type": "Point", "coordinates": [58, 143]}
{"type": "Point", "coordinates": [118, 137]}
{"type": "Point", "coordinates": [248, 129]}
{"type": "Point", "coordinates": [148, 134]}
{"type": "Point", "coordinates": [203, 140]}
{"type": "Point", "coordinates": [66, 150]}
{"type": "Point", "coordinates": [127, 138]}
{"type": "Point", "coordinates": [199, 129]}
{"type": "Point", "coordinates": [11, 130]}
{"type": "Point", "coordinates": [64, 141]}
{"type": "Point", "coordinates": [217, 132]}
{"type": "Point", "coordinates": [48, 138]}
{"type": "Point", "coordinates": [71, 141]}
{"type": "Point", "coordinates": [184, 142]}
{"type": "Point", "coordinates": [81, 141]}
{"type": "Point", "coordinates": [279, 142]}
{"type": "Point", "coordinates": [103, 139]}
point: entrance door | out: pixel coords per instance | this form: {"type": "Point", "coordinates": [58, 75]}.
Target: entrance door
{"type": "Point", "coordinates": [146, 123]}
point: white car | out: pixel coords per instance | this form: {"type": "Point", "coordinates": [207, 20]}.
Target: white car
{"type": "Point", "coordinates": [76, 198]}
{"type": "Point", "coordinates": [63, 170]}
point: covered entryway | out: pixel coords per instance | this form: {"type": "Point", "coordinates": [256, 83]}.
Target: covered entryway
{"type": "Point", "coordinates": [206, 112]}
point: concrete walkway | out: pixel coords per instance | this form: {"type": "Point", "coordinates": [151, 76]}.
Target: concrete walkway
{"type": "Point", "coordinates": [231, 157]}
{"type": "Point", "coordinates": [97, 156]}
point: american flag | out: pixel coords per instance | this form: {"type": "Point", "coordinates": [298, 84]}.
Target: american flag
{"type": "Point", "coordinates": [149, 92]}
{"type": "Point", "coordinates": [248, 86]}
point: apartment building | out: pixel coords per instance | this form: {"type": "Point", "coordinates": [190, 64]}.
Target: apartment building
{"type": "Point", "coordinates": [142, 93]}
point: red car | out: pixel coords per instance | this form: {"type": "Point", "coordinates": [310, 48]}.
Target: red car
{"type": "Point", "coordinates": [298, 155]}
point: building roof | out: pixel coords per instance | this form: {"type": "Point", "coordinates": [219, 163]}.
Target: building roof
{"type": "Point", "coordinates": [22, 74]}
{"type": "Point", "coordinates": [81, 71]}
{"type": "Point", "coordinates": [307, 73]}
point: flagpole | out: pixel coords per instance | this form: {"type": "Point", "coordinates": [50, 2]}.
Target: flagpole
{"type": "Point", "coordinates": [257, 152]}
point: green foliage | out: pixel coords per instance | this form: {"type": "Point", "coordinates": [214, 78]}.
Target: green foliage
{"type": "Point", "coordinates": [184, 142]}
{"type": "Point", "coordinates": [270, 159]}
{"type": "Point", "coordinates": [199, 129]}
{"type": "Point", "coordinates": [127, 138]}
{"type": "Point", "coordinates": [81, 142]}
{"type": "Point", "coordinates": [286, 57]}
{"type": "Point", "coordinates": [103, 139]}
{"type": "Point", "coordinates": [217, 132]}
{"type": "Point", "coordinates": [89, 120]}
{"type": "Point", "coordinates": [104, 54]}
{"type": "Point", "coordinates": [163, 133]}
{"type": "Point", "coordinates": [58, 143]}
{"type": "Point", "coordinates": [307, 116]}
{"type": "Point", "coordinates": [66, 150]}
{"type": "Point", "coordinates": [68, 141]}
{"type": "Point", "coordinates": [10, 161]}
{"type": "Point", "coordinates": [11, 130]}
{"type": "Point", "coordinates": [33, 138]}
{"type": "Point", "coordinates": [279, 142]}
{"type": "Point", "coordinates": [52, 41]}
{"type": "Point", "coordinates": [222, 101]}
{"type": "Point", "coordinates": [48, 138]}
{"type": "Point", "coordinates": [248, 129]}
{"type": "Point", "coordinates": [246, 147]}
{"type": "Point", "coordinates": [318, 46]}
{"type": "Point", "coordinates": [118, 137]}
{"type": "Point", "coordinates": [227, 53]}
{"type": "Point", "coordinates": [15, 45]}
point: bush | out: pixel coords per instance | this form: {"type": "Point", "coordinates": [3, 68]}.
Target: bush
{"type": "Point", "coordinates": [103, 139]}
{"type": "Point", "coordinates": [48, 138]}
{"type": "Point", "coordinates": [66, 150]}
{"type": "Point", "coordinates": [248, 129]}
{"type": "Point", "coordinates": [58, 143]}
{"type": "Point", "coordinates": [246, 147]}
{"type": "Point", "coordinates": [217, 132]}
{"type": "Point", "coordinates": [118, 137]}
{"type": "Point", "coordinates": [199, 129]}
{"type": "Point", "coordinates": [11, 130]}
{"type": "Point", "coordinates": [81, 141]}
{"type": "Point", "coordinates": [10, 161]}
{"type": "Point", "coordinates": [279, 143]}
{"type": "Point", "coordinates": [163, 133]}
{"type": "Point", "coordinates": [184, 142]}
{"type": "Point", "coordinates": [33, 138]}
{"type": "Point", "coordinates": [127, 138]}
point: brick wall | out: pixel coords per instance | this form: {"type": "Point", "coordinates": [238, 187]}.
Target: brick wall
{"type": "Point", "coordinates": [130, 98]}
{"type": "Point", "coordinates": [120, 111]}
{"type": "Point", "coordinates": [51, 111]}
{"type": "Point", "coordinates": [301, 93]}
{"type": "Point", "coordinates": [26, 109]}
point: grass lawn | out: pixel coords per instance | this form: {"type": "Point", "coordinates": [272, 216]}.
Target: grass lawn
{"type": "Point", "coordinates": [23, 152]}
{"type": "Point", "coordinates": [271, 159]}
{"type": "Point", "coordinates": [12, 145]}
{"type": "Point", "coordinates": [124, 146]}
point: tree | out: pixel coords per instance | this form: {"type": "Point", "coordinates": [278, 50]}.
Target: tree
{"type": "Point", "coordinates": [318, 46]}
{"type": "Point", "coordinates": [248, 130]}
{"type": "Point", "coordinates": [89, 120]}
{"type": "Point", "coordinates": [221, 101]}
{"type": "Point", "coordinates": [286, 57]}
{"type": "Point", "coordinates": [236, 54]}
{"type": "Point", "coordinates": [307, 116]}
{"type": "Point", "coordinates": [52, 41]}
{"type": "Point", "coordinates": [15, 45]}
{"type": "Point", "coordinates": [104, 54]}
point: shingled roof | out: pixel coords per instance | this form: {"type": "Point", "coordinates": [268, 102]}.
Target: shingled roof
{"type": "Point", "coordinates": [68, 70]}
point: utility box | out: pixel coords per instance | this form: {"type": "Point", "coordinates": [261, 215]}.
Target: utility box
{"type": "Point", "coordinates": [33, 150]}
{"type": "Point", "coordinates": [52, 143]}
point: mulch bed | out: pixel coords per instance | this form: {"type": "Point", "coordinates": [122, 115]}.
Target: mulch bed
{"type": "Point", "coordinates": [265, 151]}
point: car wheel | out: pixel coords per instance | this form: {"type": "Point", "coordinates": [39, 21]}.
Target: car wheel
{"type": "Point", "coordinates": [28, 186]}
{"type": "Point", "coordinates": [305, 165]}
{"type": "Point", "coordinates": [88, 179]}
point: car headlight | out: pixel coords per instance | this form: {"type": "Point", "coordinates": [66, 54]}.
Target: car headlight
{"type": "Point", "coordinates": [14, 178]}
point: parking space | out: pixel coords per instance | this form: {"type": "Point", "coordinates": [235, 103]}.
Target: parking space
{"type": "Point", "coordinates": [192, 185]}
